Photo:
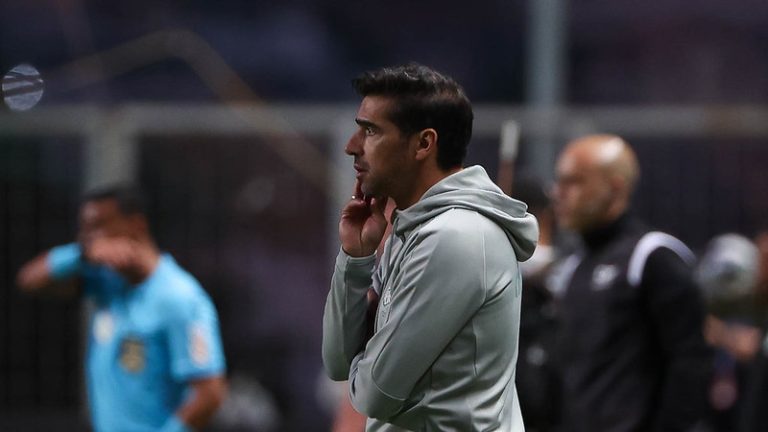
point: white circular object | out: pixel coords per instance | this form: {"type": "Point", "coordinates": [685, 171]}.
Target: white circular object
{"type": "Point", "coordinates": [22, 87]}
{"type": "Point", "coordinates": [728, 269]}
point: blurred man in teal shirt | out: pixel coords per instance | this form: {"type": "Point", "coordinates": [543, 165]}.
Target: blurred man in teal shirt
{"type": "Point", "coordinates": [155, 360]}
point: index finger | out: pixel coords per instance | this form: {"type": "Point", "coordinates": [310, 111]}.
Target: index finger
{"type": "Point", "coordinates": [380, 203]}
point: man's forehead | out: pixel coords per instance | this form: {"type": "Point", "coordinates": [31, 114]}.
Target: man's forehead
{"type": "Point", "coordinates": [579, 159]}
{"type": "Point", "coordinates": [95, 208]}
{"type": "Point", "coordinates": [374, 107]}
{"type": "Point", "coordinates": [570, 163]}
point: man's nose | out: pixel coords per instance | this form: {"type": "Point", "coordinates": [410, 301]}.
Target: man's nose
{"type": "Point", "coordinates": [353, 145]}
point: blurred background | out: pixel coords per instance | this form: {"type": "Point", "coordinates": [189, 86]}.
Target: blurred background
{"type": "Point", "coordinates": [232, 116]}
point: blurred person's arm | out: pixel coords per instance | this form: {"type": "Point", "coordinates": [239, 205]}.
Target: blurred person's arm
{"type": "Point", "coordinates": [58, 270]}
{"type": "Point", "coordinates": [196, 358]}
{"type": "Point", "coordinates": [742, 341]}
{"type": "Point", "coordinates": [54, 272]}
{"type": "Point", "coordinates": [206, 396]}
{"type": "Point", "coordinates": [677, 312]}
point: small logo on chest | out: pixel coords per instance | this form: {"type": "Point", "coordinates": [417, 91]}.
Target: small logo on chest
{"type": "Point", "coordinates": [387, 297]}
{"type": "Point", "coordinates": [133, 355]}
{"type": "Point", "coordinates": [603, 276]}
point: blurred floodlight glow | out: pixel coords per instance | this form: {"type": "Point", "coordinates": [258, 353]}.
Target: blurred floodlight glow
{"type": "Point", "coordinates": [22, 87]}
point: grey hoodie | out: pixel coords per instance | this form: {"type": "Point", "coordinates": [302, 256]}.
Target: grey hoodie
{"type": "Point", "coordinates": [443, 354]}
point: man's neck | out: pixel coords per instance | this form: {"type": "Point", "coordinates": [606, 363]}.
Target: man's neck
{"type": "Point", "coordinates": [597, 236]}
{"type": "Point", "coordinates": [423, 184]}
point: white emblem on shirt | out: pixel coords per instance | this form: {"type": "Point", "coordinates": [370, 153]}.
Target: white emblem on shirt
{"type": "Point", "coordinates": [603, 276]}
{"type": "Point", "coordinates": [103, 327]}
{"type": "Point", "coordinates": [198, 345]}
{"type": "Point", "coordinates": [387, 296]}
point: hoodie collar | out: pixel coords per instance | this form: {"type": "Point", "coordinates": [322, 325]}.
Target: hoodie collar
{"type": "Point", "coordinates": [472, 189]}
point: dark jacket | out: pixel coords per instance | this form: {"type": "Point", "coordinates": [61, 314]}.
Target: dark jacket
{"type": "Point", "coordinates": [754, 416]}
{"type": "Point", "coordinates": [633, 355]}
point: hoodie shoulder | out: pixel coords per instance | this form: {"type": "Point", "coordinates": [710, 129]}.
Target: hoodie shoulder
{"type": "Point", "coordinates": [475, 232]}
{"type": "Point", "coordinates": [471, 189]}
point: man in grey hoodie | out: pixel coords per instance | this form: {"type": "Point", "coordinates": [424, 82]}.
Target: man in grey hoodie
{"type": "Point", "coordinates": [441, 353]}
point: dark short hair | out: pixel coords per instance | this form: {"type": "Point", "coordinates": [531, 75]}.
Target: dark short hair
{"type": "Point", "coordinates": [130, 200]}
{"type": "Point", "coordinates": [424, 99]}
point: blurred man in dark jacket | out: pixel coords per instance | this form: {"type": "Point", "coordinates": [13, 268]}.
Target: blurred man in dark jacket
{"type": "Point", "coordinates": [634, 358]}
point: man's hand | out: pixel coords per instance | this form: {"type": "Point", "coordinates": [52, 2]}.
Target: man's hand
{"type": "Point", "coordinates": [132, 259]}
{"type": "Point", "coordinates": [742, 341]}
{"type": "Point", "coordinates": [206, 397]}
{"type": "Point", "coordinates": [362, 224]}
{"type": "Point", "coordinates": [120, 254]}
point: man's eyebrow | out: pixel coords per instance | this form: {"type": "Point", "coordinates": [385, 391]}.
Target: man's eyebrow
{"type": "Point", "coordinates": [365, 123]}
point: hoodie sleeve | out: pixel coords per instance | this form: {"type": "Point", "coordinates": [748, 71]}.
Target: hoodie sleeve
{"type": "Point", "coordinates": [441, 283]}
{"type": "Point", "coordinates": [344, 318]}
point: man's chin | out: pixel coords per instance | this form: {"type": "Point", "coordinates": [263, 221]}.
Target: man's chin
{"type": "Point", "coordinates": [368, 189]}
{"type": "Point", "coordinates": [569, 226]}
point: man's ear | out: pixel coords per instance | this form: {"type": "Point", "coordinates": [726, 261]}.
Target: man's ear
{"type": "Point", "coordinates": [426, 144]}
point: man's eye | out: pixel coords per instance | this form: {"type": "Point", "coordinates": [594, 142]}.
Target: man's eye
{"type": "Point", "coordinates": [369, 131]}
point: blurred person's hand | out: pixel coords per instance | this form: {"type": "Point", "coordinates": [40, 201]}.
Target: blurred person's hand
{"type": "Point", "coordinates": [122, 254]}
{"type": "Point", "coordinates": [740, 340]}
{"type": "Point", "coordinates": [362, 224]}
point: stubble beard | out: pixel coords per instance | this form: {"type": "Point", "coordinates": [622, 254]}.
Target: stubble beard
{"type": "Point", "coordinates": [371, 187]}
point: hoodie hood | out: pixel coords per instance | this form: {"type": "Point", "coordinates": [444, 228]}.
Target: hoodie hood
{"type": "Point", "coordinates": [472, 189]}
